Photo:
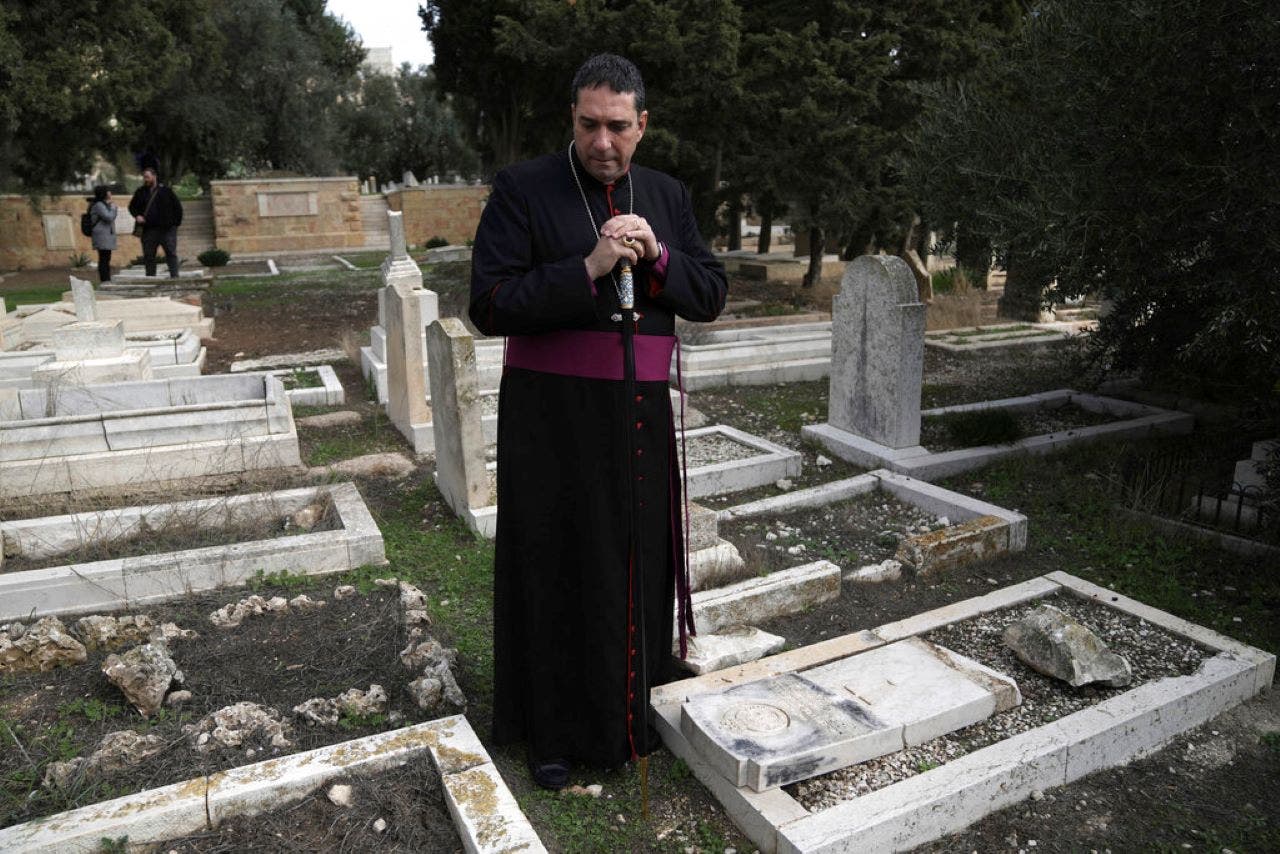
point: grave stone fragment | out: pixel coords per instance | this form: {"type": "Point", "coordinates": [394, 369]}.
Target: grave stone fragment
{"type": "Point", "coordinates": [877, 361]}
{"type": "Point", "coordinates": [1054, 643]}
{"type": "Point", "coordinates": [459, 439]}
{"type": "Point", "coordinates": [82, 297]}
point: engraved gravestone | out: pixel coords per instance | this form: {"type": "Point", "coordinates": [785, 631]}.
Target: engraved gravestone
{"type": "Point", "coordinates": [877, 352]}
{"type": "Point", "coordinates": [399, 268]}
{"type": "Point", "coordinates": [786, 728]}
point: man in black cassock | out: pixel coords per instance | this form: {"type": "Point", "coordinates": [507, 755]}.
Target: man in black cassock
{"type": "Point", "coordinates": [590, 561]}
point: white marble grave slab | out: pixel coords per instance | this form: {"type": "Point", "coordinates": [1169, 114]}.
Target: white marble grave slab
{"type": "Point", "coordinates": [790, 727]}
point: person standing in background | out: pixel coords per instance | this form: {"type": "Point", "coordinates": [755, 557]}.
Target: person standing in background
{"type": "Point", "coordinates": [158, 213]}
{"type": "Point", "coordinates": [103, 213]}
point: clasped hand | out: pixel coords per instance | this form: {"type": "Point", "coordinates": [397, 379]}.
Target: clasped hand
{"type": "Point", "coordinates": [611, 248]}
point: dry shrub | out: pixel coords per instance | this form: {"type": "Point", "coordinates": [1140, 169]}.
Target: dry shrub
{"type": "Point", "coordinates": [961, 306]}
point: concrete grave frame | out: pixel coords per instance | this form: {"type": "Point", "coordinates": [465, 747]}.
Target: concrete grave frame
{"type": "Point", "coordinates": [330, 393]}
{"type": "Point", "coordinates": [109, 585]}
{"type": "Point", "coordinates": [1000, 530]}
{"type": "Point", "coordinates": [755, 355]}
{"type": "Point", "coordinates": [1005, 336]}
{"type": "Point", "coordinates": [1141, 420]}
{"type": "Point", "coordinates": [950, 797]}
{"type": "Point", "coordinates": [173, 355]}
{"type": "Point", "coordinates": [484, 811]}
{"type": "Point", "coordinates": [773, 463]}
{"type": "Point", "coordinates": [145, 432]}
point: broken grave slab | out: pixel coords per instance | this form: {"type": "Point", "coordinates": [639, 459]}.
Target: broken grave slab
{"type": "Point", "coordinates": [790, 727]}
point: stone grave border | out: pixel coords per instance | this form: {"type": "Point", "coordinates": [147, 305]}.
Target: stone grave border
{"type": "Point", "coordinates": [484, 811]}
{"type": "Point", "coordinates": [950, 797]}
{"type": "Point", "coordinates": [773, 463]}
{"type": "Point", "coordinates": [756, 355]}
{"type": "Point", "coordinates": [330, 393]}
{"type": "Point", "coordinates": [151, 443]}
{"type": "Point", "coordinates": [1003, 531]}
{"type": "Point", "coordinates": [174, 355]}
{"type": "Point", "coordinates": [288, 361]}
{"type": "Point", "coordinates": [1142, 421]}
{"type": "Point", "coordinates": [110, 585]}
{"type": "Point", "coordinates": [1041, 335]}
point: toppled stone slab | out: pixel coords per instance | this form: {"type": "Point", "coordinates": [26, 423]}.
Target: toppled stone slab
{"type": "Point", "coordinates": [117, 751]}
{"type": "Point", "coordinates": [790, 727]}
{"type": "Point", "coordinates": [789, 591]}
{"type": "Point", "coordinates": [341, 418]}
{"type": "Point", "coordinates": [40, 647]}
{"type": "Point", "coordinates": [391, 464]}
{"type": "Point", "coordinates": [232, 726]}
{"type": "Point", "coordinates": [143, 675]}
{"type": "Point", "coordinates": [104, 632]}
{"type": "Point", "coordinates": [350, 703]}
{"type": "Point", "coordinates": [727, 647]}
{"type": "Point", "coordinates": [714, 565]}
{"type": "Point", "coordinates": [1056, 644]}
{"type": "Point", "coordinates": [875, 573]}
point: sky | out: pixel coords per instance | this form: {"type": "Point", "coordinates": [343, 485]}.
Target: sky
{"type": "Point", "coordinates": [382, 23]}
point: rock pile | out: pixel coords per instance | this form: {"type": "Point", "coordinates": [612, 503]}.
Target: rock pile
{"type": "Point", "coordinates": [143, 675]}
{"type": "Point", "coordinates": [236, 724]}
{"type": "Point", "coordinates": [1056, 644]}
{"type": "Point", "coordinates": [39, 647]}
{"type": "Point", "coordinates": [350, 703]}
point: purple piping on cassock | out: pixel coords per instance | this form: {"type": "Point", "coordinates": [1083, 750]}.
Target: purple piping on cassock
{"type": "Point", "coordinates": [684, 593]}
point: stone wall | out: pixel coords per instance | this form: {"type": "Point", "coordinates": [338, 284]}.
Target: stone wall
{"type": "Point", "coordinates": [287, 215]}
{"type": "Point", "coordinates": [451, 211]}
{"type": "Point", "coordinates": [46, 233]}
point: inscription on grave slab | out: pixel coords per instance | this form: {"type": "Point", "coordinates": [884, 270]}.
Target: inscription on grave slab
{"type": "Point", "coordinates": [790, 727]}
{"type": "Point", "coordinates": [58, 231]}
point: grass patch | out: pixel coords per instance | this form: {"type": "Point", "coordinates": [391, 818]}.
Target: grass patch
{"type": "Point", "coordinates": [302, 378]}
{"type": "Point", "coordinates": [983, 427]}
{"type": "Point", "coordinates": [32, 296]}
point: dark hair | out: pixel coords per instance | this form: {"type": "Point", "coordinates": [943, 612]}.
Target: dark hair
{"type": "Point", "coordinates": [152, 169]}
{"type": "Point", "coordinates": [607, 69]}
{"type": "Point", "coordinates": [100, 193]}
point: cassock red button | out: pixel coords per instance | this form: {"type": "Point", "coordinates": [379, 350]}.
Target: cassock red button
{"type": "Point", "coordinates": [639, 425]}
{"type": "Point", "coordinates": [639, 398]}
{"type": "Point", "coordinates": [639, 452]}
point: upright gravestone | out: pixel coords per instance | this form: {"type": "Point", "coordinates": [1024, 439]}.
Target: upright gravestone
{"type": "Point", "coordinates": [877, 363]}
{"type": "Point", "coordinates": [455, 417]}
{"type": "Point", "coordinates": [398, 266]}
{"type": "Point", "coordinates": [82, 297]}
{"type": "Point", "coordinates": [406, 388]}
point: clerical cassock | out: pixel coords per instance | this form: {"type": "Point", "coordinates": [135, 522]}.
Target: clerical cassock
{"type": "Point", "coordinates": [589, 551]}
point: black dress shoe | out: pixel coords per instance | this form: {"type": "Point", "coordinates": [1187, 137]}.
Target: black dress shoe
{"type": "Point", "coordinates": [550, 774]}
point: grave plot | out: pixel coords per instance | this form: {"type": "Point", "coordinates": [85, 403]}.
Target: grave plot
{"type": "Point", "coordinates": [223, 682]}
{"type": "Point", "coordinates": [429, 787]}
{"type": "Point", "coordinates": [171, 354]}
{"type": "Point", "coordinates": [67, 439]}
{"type": "Point", "coordinates": [724, 459]}
{"type": "Point", "coordinates": [122, 558]}
{"type": "Point", "coordinates": [1002, 336]}
{"type": "Point", "coordinates": [754, 355]}
{"type": "Point", "coordinates": [314, 386]}
{"type": "Point", "coordinates": [33, 324]}
{"type": "Point", "coordinates": [1181, 675]}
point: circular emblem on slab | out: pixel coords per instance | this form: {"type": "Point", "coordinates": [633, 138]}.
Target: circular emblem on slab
{"type": "Point", "coordinates": [755, 719]}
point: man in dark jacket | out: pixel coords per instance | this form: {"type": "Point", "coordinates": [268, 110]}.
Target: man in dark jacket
{"type": "Point", "coordinates": [157, 210]}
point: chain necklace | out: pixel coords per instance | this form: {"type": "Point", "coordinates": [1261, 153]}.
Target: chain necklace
{"type": "Point", "coordinates": [631, 209]}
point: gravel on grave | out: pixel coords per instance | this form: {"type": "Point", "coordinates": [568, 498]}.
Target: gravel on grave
{"type": "Point", "coordinates": [853, 533]}
{"type": "Point", "coordinates": [399, 810]}
{"type": "Point", "coordinates": [276, 660]}
{"type": "Point", "coordinates": [1152, 652]}
{"type": "Point", "coordinates": [713, 448]}
{"type": "Point", "coordinates": [1040, 421]}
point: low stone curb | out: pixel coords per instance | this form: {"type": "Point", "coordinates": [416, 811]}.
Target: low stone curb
{"type": "Point", "coordinates": [950, 797]}
{"type": "Point", "coordinates": [487, 816]}
{"type": "Point", "coordinates": [773, 462]}
{"type": "Point", "coordinates": [330, 393]}
{"type": "Point", "coordinates": [110, 585]}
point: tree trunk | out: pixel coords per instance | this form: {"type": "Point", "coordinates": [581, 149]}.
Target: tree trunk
{"type": "Point", "coordinates": [1021, 299]}
{"type": "Point", "coordinates": [814, 273]}
{"type": "Point", "coordinates": [766, 230]}
{"type": "Point", "coordinates": [973, 255]}
{"type": "Point", "coordinates": [734, 215]}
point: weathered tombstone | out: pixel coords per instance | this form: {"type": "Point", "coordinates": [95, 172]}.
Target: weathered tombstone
{"type": "Point", "coordinates": [877, 359]}
{"type": "Point", "coordinates": [776, 731]}
{"type": "Point", "coordinates": [409, 179]}
{"type": "Point", "coordinates": [88, 352]}
{"type": "Point", "coordinates": [398, 266]}
{"type": "Point", "coordinates": [82, 296]}
{"type": "Point", "coordinates": [406, 388]}
{"type": "Point", "coordinates": [455, 411]}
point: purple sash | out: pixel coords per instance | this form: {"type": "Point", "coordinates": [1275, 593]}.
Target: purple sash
{"type": "Point", "coordinates": [591, 355]}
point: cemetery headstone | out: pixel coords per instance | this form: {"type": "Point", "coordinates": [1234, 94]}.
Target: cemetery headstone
{"type": "Point", "coordinates": [406, 387]}
{"type": "Point", "coordinates": [459, 439]}
{"type": "Point", "coordinates": [82, 296]}
{"type": "Point", "coordinates": [877, 360]}
{"type": "Point", "coordinates": [398, 266]}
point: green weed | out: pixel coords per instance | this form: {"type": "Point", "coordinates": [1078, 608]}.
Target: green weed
{"type": "Point", "coordinates": [92, 709]}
